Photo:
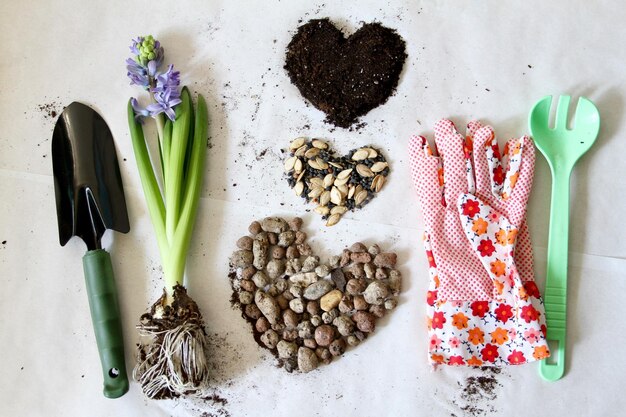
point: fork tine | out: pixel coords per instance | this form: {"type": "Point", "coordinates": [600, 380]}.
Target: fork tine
{"type": "Point", "coordinates": [560, 120]}
{"type": "Point", "coordinates": [541, 111]}
{"type": "Point", "coordinates": [588, 112]}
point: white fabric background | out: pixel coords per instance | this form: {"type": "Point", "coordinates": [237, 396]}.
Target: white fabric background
{"type": "Point", "coordinates": [490, 60]}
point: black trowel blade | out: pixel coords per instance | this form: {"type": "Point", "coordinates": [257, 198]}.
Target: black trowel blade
{"type": "Point", "coordinates": [87, 181]}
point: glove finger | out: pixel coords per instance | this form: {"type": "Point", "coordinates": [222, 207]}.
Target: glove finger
{"type": "Point", "coordinates": [450, 146]}
{"type": "Point", "coordinates": [425, 176]}
{"type": "Point", "coordinates": [519, 177]}
{"type": "Point", "coordinates": [472, 128]}
{"type": "Point", "coordinates": [487, 166]}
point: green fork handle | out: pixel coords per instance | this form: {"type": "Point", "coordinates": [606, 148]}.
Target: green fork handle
{"type": "Point", "coordinates": [107, 325]}
{"type": "Point", "coordinates": [555, 296]}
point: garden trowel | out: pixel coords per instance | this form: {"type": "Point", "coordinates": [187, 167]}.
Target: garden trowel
{"type": "Point", "coordinates": [90, 199]}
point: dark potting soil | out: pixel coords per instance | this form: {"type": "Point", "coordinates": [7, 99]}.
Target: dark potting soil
{"type": "Point", "coordinates": [182, 310]}
{"type": "Point", "coordinates": [345, 77]}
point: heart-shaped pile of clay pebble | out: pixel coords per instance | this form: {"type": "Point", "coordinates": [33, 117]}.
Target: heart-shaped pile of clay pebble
{"type": "Point", "coordinates": [304, 311]}
{"type": "Point", "coordinates": [335, 183]}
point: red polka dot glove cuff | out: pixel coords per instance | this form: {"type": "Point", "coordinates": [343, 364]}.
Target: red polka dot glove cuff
{"type": "Point", "coordinates": [483, 305]}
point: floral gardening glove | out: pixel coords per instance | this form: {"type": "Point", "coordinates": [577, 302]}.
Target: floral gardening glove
{"type": "Point", "coordinates": [483, 305]}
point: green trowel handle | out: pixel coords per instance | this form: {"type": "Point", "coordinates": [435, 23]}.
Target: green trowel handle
{"type": "Point", "coordinates": [105, 315]}
{"type": "Point", "coordinates": [555, 296]}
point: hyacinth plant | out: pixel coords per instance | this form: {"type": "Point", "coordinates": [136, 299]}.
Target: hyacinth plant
{"type": "Point", "coordinates": [173, 361]}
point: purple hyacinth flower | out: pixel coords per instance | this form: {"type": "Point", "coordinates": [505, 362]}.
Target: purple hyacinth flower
{"type": "Point", "coordinates": [140, 112]}
{"type": "Point", "coordinates": [168, 80]}
{"type": "Point", "coordinates": [138, 74]}
{"type": "Point", "coordinates": [152, 68]}
{"type": "Point", "coordinates": [165, 103]}
{"type": "Point", "coordinates": [166, 93]}
{"type": "Point", "coordinates": [134, 48]}
{"type": "Point", "coordinates": [158, 50]}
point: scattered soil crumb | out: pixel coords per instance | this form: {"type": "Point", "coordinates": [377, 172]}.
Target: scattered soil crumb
{"type": "Point", "coordinates": [216, 399]}
{"type": "Point", "coordinates": [221, 413]}
{"type": "Point", "coordinates": [217, 403]}
{"type": "Point", "coordinates": [261, 154]}
{"type": "Point", "coordinates": [357, 127]}
{"type": "Point", "coordinates": [50, 110]}
{"type": "Point", "coordinates": [478, 393]}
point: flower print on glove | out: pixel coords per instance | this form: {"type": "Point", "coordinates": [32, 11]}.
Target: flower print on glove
{"type": "Point", "coordinates": [483, 305]}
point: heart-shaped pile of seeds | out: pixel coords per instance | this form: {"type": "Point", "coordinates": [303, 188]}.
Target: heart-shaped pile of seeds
{"type": "Point", "coordinates": [335, 183]}
{"type": "Point", "coordinates": [307, 312]}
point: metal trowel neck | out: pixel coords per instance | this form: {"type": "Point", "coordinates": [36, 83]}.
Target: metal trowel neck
{"type": "Point", "coordinates": [93, 231]}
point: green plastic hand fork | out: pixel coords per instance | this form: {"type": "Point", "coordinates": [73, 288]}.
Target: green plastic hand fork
{"type": "Point", "coordinates": [562, 147]}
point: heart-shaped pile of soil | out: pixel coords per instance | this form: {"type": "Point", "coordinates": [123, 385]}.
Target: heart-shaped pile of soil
{"type": "Point", "coordinates": [345, 77]}
{"type": "Point", "coordinates": [304, 311]}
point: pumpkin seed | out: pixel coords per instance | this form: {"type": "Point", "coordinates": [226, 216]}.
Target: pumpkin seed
{"type": "Point", "coordinates": [373, 184]}
{"type": "Point", "coordinates": [343, 181]}
{"type": "Point", "coordinates": [301, 150]}
{"type": "Point", "coordinates": [360, 155]}
{"type": "Point", "coordinates": [360, 197]}
{"type": "Point", "coordinates": [289, 163]}
{"type": "Point", "coordinates": [297, 143]}
{"type": "Point", "coordinates": [328, 180]}
{"type": "Point", "coordinates": [313, 163]}
{"type": "Point", "coordinates": [336, 165]}
{"type": "Point", "coordinates": [351, 191]}
{"type": "Point", "coordinates": [344, 174]}
{"type": "Point", "coordinates": [311, 153]}
{"type": "Point", "coordinates": [333, 219]}
{"type": "Point", "coordinates": [380, 181]}
{"type": "Point", "coordinates": [364, 171]}
{"type": "Point", "coordinates": [318, 182]}
{"type": "Point", "coordinates": [319, 144]}
{"type": "Point", "coordinates": [322, 210]}
{"type": "Point", "coordinates": [338, 210]}
{"type": "Point", "coordinates": [343, 189]}
{"type": "Point", "coordinates": [335, 196]}
{"type": "Point", "coordinates": [297, 166]}
{"type": "Point", "coordinates": [315, 192]}
{"type": "Point", "coordinates": [372, 153]}
{"type": "Point", "coordinates": [379, 166]}
{"type": "Point", "coordinates": [322, 164]}
{"type": "Point", "coordinates": [325, 198]}
{"type": "Point", "coordinates": [298, 188]}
